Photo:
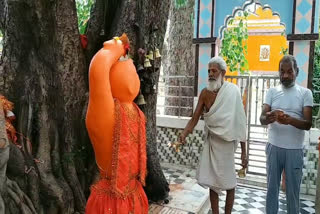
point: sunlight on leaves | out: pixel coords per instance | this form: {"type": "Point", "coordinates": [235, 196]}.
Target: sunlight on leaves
{"type": "Point", "coordinates": [234, 44]}
{"type": "Point", "coordinates": [83, 11]}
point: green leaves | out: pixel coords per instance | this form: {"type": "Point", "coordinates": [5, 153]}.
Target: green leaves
{"type": "Point", "coordinates": [241, 24]}
{"type": "Point", "coordinates": [234, 45]}
{"type": "Point", "coordinates": [83, 11]}
{"type": "Point", "coordinates": [284, 51]}
{"type": "Point", "coordinates": [316, 78]}
{"type": "Point", "coordinates": [180, 3]}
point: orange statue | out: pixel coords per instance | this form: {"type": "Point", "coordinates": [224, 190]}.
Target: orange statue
{"type": "Point", "coordinates": [116, 128]}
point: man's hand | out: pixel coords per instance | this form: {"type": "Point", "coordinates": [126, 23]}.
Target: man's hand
{"type": "Point", "coordinates": [284, 119]}
{"type": "Point", "coordinates": [271, 116]}
{"type": "Point", "coordinates": [182, 138]}
{"type": "Point", "coordinates": [244, 160]}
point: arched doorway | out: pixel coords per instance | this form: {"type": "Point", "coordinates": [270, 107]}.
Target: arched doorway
{"type": "Point", "coordinates": [266, 43]}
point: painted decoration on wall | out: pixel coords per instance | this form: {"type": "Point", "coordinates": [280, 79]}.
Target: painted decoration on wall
{"type": "Point", "coordinates": [264, 53]}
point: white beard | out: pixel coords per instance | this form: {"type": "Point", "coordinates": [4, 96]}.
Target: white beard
{"type": "Point", "coordinates": [214, 85]}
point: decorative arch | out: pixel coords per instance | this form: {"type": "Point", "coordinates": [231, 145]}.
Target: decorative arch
{"type": "Point", "coordinates": [242, 9]}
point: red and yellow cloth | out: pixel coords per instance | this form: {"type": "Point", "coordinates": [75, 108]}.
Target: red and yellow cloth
{"type": "Point", "coordinates": [122, 193]}
{"type": "Point", "coordinates": [9, 116]}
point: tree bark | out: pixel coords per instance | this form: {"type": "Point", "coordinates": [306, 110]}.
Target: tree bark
{"type": "Point", "coordinates": [178, 60]}
{"type": "Point", "coordinates": [43, 70]}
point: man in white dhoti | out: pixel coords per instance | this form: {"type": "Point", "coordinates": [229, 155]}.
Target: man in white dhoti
{"type": "Point", "coordinates": [225, 126]}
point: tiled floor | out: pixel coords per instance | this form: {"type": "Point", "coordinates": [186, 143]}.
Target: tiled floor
{"type": "Point", "coordinates": [253, 201]}
{"type": "Point", "coordinates": [247, 199]}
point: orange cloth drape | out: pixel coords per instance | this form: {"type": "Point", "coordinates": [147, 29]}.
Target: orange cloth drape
{"type": "Point", "coordinates": [122, 193]}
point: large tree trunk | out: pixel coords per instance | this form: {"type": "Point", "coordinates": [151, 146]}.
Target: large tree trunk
{"type": "Point", "coordinates": [43, 70]}
{"type": "Point", "coordinates": [178, 60]}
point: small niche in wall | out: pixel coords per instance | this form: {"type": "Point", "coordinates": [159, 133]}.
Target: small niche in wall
{"type": "Point", "coordinates": [264, 53]}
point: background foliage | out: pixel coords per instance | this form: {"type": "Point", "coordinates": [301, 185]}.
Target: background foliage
{"type": "Point", "coordinates": [234, 44]}
{"type": "Point", "coordinates": [180, 3]}
{"type": "Point", "coordinates": [83, 11]}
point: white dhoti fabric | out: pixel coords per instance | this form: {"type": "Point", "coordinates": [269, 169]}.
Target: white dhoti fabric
{"type": "Point", "coordinates": [217, 168]}
{"type": "Point", "coordinates": [225, 126]}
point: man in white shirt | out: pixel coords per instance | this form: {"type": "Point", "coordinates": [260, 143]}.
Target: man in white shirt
{"type": "Point", "coordinates": [287, 111]}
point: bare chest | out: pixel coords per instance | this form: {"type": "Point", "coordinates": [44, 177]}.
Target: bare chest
{"type": "Point", "coordinates": [209, 100]}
